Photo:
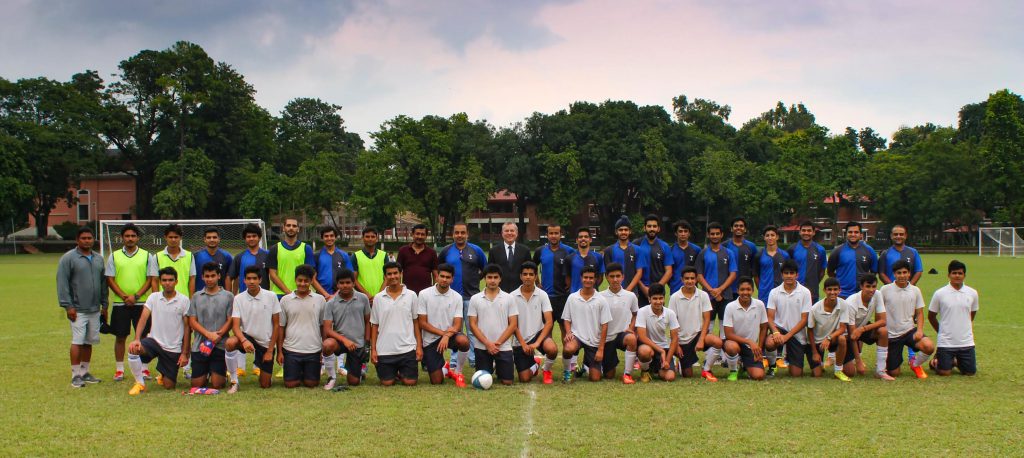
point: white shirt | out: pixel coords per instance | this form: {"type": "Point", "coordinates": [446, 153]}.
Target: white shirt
{"type": "Point", "coordinates": [658, 326]}
{"type": "Point", "coordinates": [165, 317]}
{"type": "Point", "coordinates": [745, 322]}
{"type": "Point", "coordinates": [622, 306]}
{"type": "Point", "coordinates": [789, 308]}
{"type": "Point", "coordinates": [440, 310]}
{"type": "Point", "coordinates": [531, 312]}
{"type": "Point", "coordinates": [586, 317]}
{"type": "Point", "coordinates": [862, 313]}
{"type": "Point", "coordinates": [394, 319]}
{"type": "Point", "coordinates": [900, 306]}
{"type": "Point", "coordinates": [956, 329]}
{"type": "Point", "coordinates": [689, 312]}
{"type": "Point", "coordinates": [824, 322]}
{"type": "Point", "coordinates": [301, 321]}
{"type": "Point", "coordinates": [255, 314]}
{"type": "Point", "coordinates": [492, 317]}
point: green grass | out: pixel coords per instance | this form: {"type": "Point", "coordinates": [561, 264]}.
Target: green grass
{"type": "Point", "coordinates": [982, 415]}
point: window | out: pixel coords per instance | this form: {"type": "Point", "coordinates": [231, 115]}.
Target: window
{"type": "Point", "coordinates": [863, 213]}
{"type": "Point", "coordinates": [827, 235]}
{"type": "Point", "coordinates": [83, 205]}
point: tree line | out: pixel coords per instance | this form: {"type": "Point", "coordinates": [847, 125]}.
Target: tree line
{"type": "Point", "coordinates": [188, 128]}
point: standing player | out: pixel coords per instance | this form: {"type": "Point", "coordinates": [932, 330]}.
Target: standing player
{"type": "Point", "coordinates": [586, 327]}
{"type": "Point", "coordinates": [368, 263]}
{"type": "Point", "coordinates": [693, 310]}
{"type": "Point", "coordinates": [626, 254]}
{"type": "Point", "coordinates": [904, 307]}
{"type": "Point", "coordinates": [553, 260]}
{"type": "Point", "coordinates": [769, 263]}
{"type": "Point", "coordinates": [346, 329]}
{"type": "Point", "coordinates": [788, 307]}
{"type": "Point", "coordinates": [951, 313]}
{"type": "Point", "coordinates": [209, 315]}
{"type": "Point", "coordinates": [745, 250]}
{"type": "Point", "coordinates": [534, 325]}
{"type": "Point", "coordinates": [716, 271]}
{"type": "Point", "coordinates": [850, 260]}
{"type": "Point", "coordinates": [82, 292]}
{"type": "Point", "coordinates": [827, 326]}
{"type": "Point", "coordinates": [127, 276]}
{"type": "Point", "coordinates": [863, 304]}
{"type": "Point", "coordinates": [655, 348]}
{"type": "Point", "coordinates": [493, 320]}
{"type": "Point", "coordinates": [469, 261]}
{"type": "Point", "coordinates": [177, 258]}
{"type": "Point", "coordinates": [396, 344]}
{"type": "Point", "coordinates": [745, 324]}
{"type": "Point", "coordinates": [439, 310]}
{"type": "Point", "coordinates": [300, 341]}
{"type": "Point", "coordinates": [255, 324]}
{"type": "Point", "coordinates": [329, 261]}
{"type": "Point", "coordinates": [583, 257]}
{"type": "Point", "coordinates": [623, 306]}
{"type": "Point", "coordinates": [168, 339]}
{"type": "Point", "coordinates": [286, 256]}
{"type": "Point", "coordinates": [252, 255]}
{"type": "Point", "coordinates": [419, 261]}
{"type": "Point", "coordinates": [899, 251]}
{"type": "Point", "coordinates": [658, 256]}
{"type": "Point", "coordinates": [212, 253]}
{"type": "Point", "coordinates": [509, 255]}
{"type": "Point", "coordinates": [810, 257]}
{"type": "Point", "coordinates": [684, 253]}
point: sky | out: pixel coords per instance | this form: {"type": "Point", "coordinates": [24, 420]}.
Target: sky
{"type": "Point", "coordinates": [852, 63]}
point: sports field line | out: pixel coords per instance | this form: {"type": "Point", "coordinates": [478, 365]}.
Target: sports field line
{"type": "Point", "coordinates": [525, 451]}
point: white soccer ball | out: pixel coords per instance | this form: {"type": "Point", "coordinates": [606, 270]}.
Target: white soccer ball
{"type": "Point", "coordinates": [482, 380]}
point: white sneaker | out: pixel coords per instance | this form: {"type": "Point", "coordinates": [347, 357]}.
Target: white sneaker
{"type": "Point", "coordinates": [343, 371]}
{"type": "Point", "coordinates": [233, 388]}
{"type": "Point", "coordinates": [329, 385]}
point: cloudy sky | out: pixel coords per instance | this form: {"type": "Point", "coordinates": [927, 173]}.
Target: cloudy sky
{"type": "Point", "coordinates": [853, 63]}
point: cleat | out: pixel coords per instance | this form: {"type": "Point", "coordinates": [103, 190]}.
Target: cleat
{"type": "Point", "coordinates": [627, 379]}
{"type": "Point", "coordinates": [188, 372]}
{"type": "Point", "coordinates": [764, 362]}
{"type": "Point", "coordinates": [645, 376]}
{"type": "Point", "coordinates": [884, 376]}
{"type": "Point", "coordinates": [240, 372]}
{"type": "Point", "coordinates": [448, 372]}
{"type": "Point", "coordinates": [256, 371]}
{"type": "Point", "coordinates": [566, 376]}
{"type": "Point", "coordinates": [547, 378]}
{"type": "Point", "coordinates": [918, 371]}
{"type": "Point", "coordinates": [708, 376]}
{"type": "Point", "coordinates": [781, 363]}
{"type": "Point", "coordinates": [201, 390]}
{"type": "Point", "coordinates": [841, 376]}
{"type": "Point", "coordinates": [330, 384]}
{"type": "Point", "coordinates": [734, 376]}
{"type": "Point", "coordinates": [580, 371]}
{"type": "Point", "coordinates": [460, 380]}
{"type": "Point", "coordinates": [160, 379]}
{"type": "Point", "coordinates": [119, 376]}
{"type": "Point", "coordinates": [233, 388]}
{"type": "Point", "coordinates": [77, 382]}
{"type": "Point", "coordinates": [137, 389]}
{"type": "Point", "coordinates": [89, 378]}
{"type": "Point", "coordinates": [771, 372]}
{"type": "Point", "coordinates": [145, 374]}
{"type": "Point", "coordinates": [280, 373]}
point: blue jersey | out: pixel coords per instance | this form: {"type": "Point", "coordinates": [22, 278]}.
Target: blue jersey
{"type": "Point", "coordinates": [891, 256]}
{"type": "Point", "coordinates": [849, 262]}
{"type": "Point", "coordinates": [577, 263]}
{"type": "Point", "coordinates": [682, 257]}
{"type": "Point", "coordinates": [716, 266]}
{"type": "Point", "coordinates": [554, 268]}
{"type": "Point", "coordinates": [811, 260]}
{"type": "Point", "coordinates": [769, 272]}
{"type": "Point", "coordinates": [628, 257]}
{"type": "Point", "coordinates": [658, 256]}
{"type": "Point", "coordinates": [246, 259]}
{"type": "Point", "coordinates": [328, 264]}
{"type": "Point", "coordinates": [746, 259]}
{"type": "Point", "coordinates": [221, 257]}
{"type": "Point", "coordinates": [469, 264]}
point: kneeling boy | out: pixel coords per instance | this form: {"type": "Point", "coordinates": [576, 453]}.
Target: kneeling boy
{"type": "Point", "coordinates": [745, 324]}
{"type": "Point", "coordinates": [300, 341]}
{"type": "Point", "coordinates": [255, 326]}
{"type": "Point", "coordinates": [655, 348]}
{"type": "Point", "coordinates": [346, 329]}
{"type": "Point", "coordinates": [168, 340]}
{"type": "Point", "coordinates": [863, 304]}
{"type": "Point", "coordinates": [440, 317]}
{"type": "Point", "coordinates": [827, 325]}
{"type": "Point", "coordinates": [951, 314]}
{"type": "Point", "coordinates": [493, 320]}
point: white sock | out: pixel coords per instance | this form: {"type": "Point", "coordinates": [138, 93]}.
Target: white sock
{"type": "Point", "coordinates": [534, 368]}
{"type": "Point", "coordinates": [85, 367]}
{"type": "Point", "coordinates": [881, 354]}
{"type": "Point", "coordinates": [119, 365]}
{"type": "Point", "coordinates": [771, 355]}
{"type": "Point", "coordinates": [460, 360]}
{"type": "Point", "coordinates": [920, 358]}
{"type": "Point", "coordinates": [837, 367]}
{"type": "Point", "coordinates": [331, 364]}
{"type": "Point", "coordinates": [645, 365]}
{"type": "Point", "coordinates": [341, 361]}
{"type": "Point", "coordinates": [136, 365]}
{"type": "Point", "coordinates": [76, 370]}
{"type": "Point", "coordinates": [832, 355]}
{"type": "Point", "coordinates": [239, 363]}
{"type": "Point", "coordinates": [548, 362]}
{"type": "Point", "coordinates": [630, 360]}
{"type": "Point", "coordinates": [231, 360]}
{"type": "Point", "coordinates": [572, 362]}
{"type": "Point", "coordinates": [710, 358]}
{"type": "Point", "coordinates": [734, 362]}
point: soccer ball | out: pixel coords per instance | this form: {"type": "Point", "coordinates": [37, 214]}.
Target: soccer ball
{"type": "Point", "coordinates": [482, 380]}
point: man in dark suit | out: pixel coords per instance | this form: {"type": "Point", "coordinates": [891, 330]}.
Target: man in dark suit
{"type": "Point", "coordinates": [509, 254]}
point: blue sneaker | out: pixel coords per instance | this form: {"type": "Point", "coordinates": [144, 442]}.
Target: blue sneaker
{"type": "Point", "coordinates": [566, 376]}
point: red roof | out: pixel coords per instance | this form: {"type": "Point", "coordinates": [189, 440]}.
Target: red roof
{"type": "Point", "coordinates": [790, 228]}
{"type": "Point", "coordinates": [502, 196]}
{"type": "Point", "coordinates": [831, 199]}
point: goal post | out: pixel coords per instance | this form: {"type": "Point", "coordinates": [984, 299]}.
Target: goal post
{"type": "Point", "coordinates": [1000, 241]}
{"type": "Point", "coordinates": [152, 237]}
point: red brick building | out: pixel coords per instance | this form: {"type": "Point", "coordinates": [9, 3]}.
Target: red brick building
{"type": "Point", "coordinates": [104, 196]}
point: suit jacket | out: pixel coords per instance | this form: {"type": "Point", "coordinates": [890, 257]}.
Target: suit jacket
{"type": "Point", "coordinates": [509, 270]}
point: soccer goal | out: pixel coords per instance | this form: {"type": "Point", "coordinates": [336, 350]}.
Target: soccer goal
{"type": "Point", "coordinates": [152, 236]}
{"type": "Point", "coordinates": [1000, 241]}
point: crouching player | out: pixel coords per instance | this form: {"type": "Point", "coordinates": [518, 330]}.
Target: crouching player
{"type": "Point", "coordinates": [440, 317]}
{"type": "Point", "coordinates": [623, 305]}
{"type": "Point", "coordinates": [904, 306]}
{"type": "Point", "coordinates": [534, 324]}
{"type": "Point", "coordinates": [788, 307]}
{"type": "Point", "coordinates": [745, 324]}
{"type": "Point", "coordinates": [168, 340]}
{"type": "Point", "coordinates": [300, 341]}
{"type": "Point", "coordinates": [586, 318]}
{"type": "Point", "coordinates": [693, 310]}
{"type": "Point", "coordinates": [492, 319]}
{"type": "Point", "coordinates": [255, 324]}
{"type": "Point", "coordinates": [863, 304]}
{"type": "Point", "coordinates": [655, 351]}
{"type": "Point", "coordinates": [209, 315]}
{"type": "Point", "coordinates": [951, 313]}
{"type": "Point", "coordinates": [346, 329]}
{"type": "Point", "coordinates": [827, 327]}
{"type": "Point", "coordinates": [395, 341]}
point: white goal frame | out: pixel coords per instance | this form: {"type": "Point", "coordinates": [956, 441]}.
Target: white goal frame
{"type": "Point", "coordinates": [106, 243]}
{"type": "Point", "coordinates": [1006, 241]}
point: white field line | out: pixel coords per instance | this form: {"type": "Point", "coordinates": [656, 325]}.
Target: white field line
{"type": "Point", "coordinates": [525, 451]}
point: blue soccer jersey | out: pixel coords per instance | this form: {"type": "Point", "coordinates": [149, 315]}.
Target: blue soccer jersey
{"type": "Point", "coordinates": [811, 260]}
{"type": "Point", "coordinates": [769, 272]}
{"type": "Point", "coordinates": [554, 268]}
{"type": "Point", "coordinates": [629, 257]}
{"type": "Point", "coordinates": [682, 257]}
{"type": "Point", "coordinates": [849, 262]}
{"type": "Point", "coordinates": [716, 266]}
{"type": "Point", "coordinates": [327, 266]}
{"type": "Point", "coordinates": [469, 264]}
{"type": "Point", "coordinates": [891, 256]}
{"type": "Point", "coordinates": [221, 257]}
{"type": "Point", "coordinates": [577, 263]}
{"type": "Point", "coordinates": [746, 259]}
{"type": "Point", "coordinates": [658, 256]}
{"type": "Point", "coordinates": [246, 259]}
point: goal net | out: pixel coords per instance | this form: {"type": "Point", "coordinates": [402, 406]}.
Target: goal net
{"type": "Point", "coordinates": [1000, 241]}
{"type": "Point", "coordinates": [152, 237]}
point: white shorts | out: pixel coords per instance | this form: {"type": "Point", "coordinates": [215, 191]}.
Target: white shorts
{"type": "Point", "coordinates": [85, 330]}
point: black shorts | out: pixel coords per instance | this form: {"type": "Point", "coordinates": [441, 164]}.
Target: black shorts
{"type": "Point", "coordinates": [434, 360]}
{"type": "Point", "coordinates": [747, 357]}
{"type": "Point", "coordinates": [353, 358]}
{"type": "Point", "coordinates": [167, 362]}
{"type": "Point", "coordinates": [557, 307]}
{"type": "Point", "coordinates": [895, 358]}
{"type": "Point", "coordinates": [796, 352]}
{"type": "Point", "coordinates": [390, 367]}
{"type": "Point", "coordinates": [965, 359]}
{"type": "Point", "coordinates": [718, 310]}
{"type": "Point", "coordinates": [610, 361]}
{"type": "Point", "coordinates": [301, 366]}
{"type": "Point", "coordinates": [522, 360]}
{"type": "Point", "coordinates": [259, 353]}
{"type": "Point", "coordinates": [689, 353]}
{"type": "Point", "coordinates": [124, 318]}
{"type": "Point", "coordinates": [832, 347]}
{"type": "Point", "coordinates": [870, 337]}
{"type": "Point", "coordinates": [620, 340]}
{"type": "Point", "coordinates": [501, 364]}
{"type": "Point", "coordinates": [203, 365]}
{"type": "Point", "coordinates": [655, 365]}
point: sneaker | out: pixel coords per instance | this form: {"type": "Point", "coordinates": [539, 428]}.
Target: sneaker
{"type": "Point", "coordinates": [256, 371]}
{"type": "Point", "coordinates": [841, 376]}
{"type": "Point", "coordinates": [201, 390]}
{"type": "Point", "coordinates": [159, 379]}
{"type": "Point", "coordinates": [89, 378]}
{"type": "Point", "coordinates": [447, 369]}
{"type": "Point", "coordinates": [771, 372]}
{"type": "Point", "coordinates": [566, 376]}
{"type": "Point", "coordinates": [764, 362]}
{"type": "Point", "coordinates": [137, 389]}
{"type": "Point", "coordinates": [240, 371]}
{"type": "Point", "coordinates": [330, 384]}
{"type": "Point", "coordinates": [734, 376]}
{"type": "Point", "coordinates": [145, 374]}
{"type": "Point", "coordinates": [460, 380]}
{"type": "Point", "coordinates": [547, 378]}
{"type": "Point", "coordinates": [233, 388]}
{"type": "Point", "coordinates": [645, 376]}
{"type": "Point", "coordinates": [919, 372]}
{"type": "Point", "coordinates": [627, 379]}
{"type": "Point", "coordinates": [708, 376]}
{"type": "Point", "coordinates": [581, 370]}
{"type": "Point", "coordinates": [280, 373]}
{"type": "Point", "coordinates": [119, 376]}
{"type": "Point", "coordinates": [884, 376]}
{"type": "Point", "coordinates": [188, 372]}
{"type": "Point", "coordinates": [781, 363]}
{"type": "Point", "coordinates": [77, 382]}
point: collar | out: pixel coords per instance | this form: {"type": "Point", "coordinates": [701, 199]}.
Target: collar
{"type": "Point", "coordinates": [181, 254]}
{"type": "Point", "coordinates": [124, 250]}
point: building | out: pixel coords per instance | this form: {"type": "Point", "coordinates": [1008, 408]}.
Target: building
{"type": "Point", "coordinates": [100, 197]}
{"type": "Point", "coordinates": [840, 210]}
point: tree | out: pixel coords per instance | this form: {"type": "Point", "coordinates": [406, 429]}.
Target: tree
{"type": "Point", "coordinates": [14, 173]}
{"type": "Point", "coordinates": [379, 192]}
{"type": "Point", "coordinates": [261, 193]}
{"type": "Point", "coordinates": [717, 176]}
{"type": "Point", "coordinates": [704, 115]}
{"type": "Point", "coordinates": [184, 185]}
{"type": "Point", "coordinates": [870, 142]}
{"type": "Point", "coordinates": [1002, 150]}
{"type": "Point", "coordinates": [322, 182]}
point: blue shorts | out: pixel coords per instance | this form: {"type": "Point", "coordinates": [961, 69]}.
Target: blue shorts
{"type": "Point", "coordinates": [966, 361]}
{"type": "Point", "coordinates": [301, 366]}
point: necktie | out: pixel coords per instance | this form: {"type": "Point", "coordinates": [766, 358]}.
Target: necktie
{"type": "Point", "coordinates": [510, 255]}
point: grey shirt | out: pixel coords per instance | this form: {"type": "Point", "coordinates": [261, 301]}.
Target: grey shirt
{"type": "Point", "coordinates": [348, 317]}
{"type": "Point", "coordinates": [212, 311]}
{"type": "Point", "coordinates": [80, 282]}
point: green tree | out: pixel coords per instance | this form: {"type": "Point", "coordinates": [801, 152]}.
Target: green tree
{"type": "Point", "coordinates": [260, 193]}
{"type": "Point", "coordinates": [309, 126]}
{"type": "Point", "coordinates": [379, 192]}
{"type": "Point", "coordinates": [14, 173]}
{"type": "Point", "coordinates": [1002, 150]}
{"type": "Point", "coordinates": [322, 182]}
{"type": "Point", "coordinates": [184, 185]}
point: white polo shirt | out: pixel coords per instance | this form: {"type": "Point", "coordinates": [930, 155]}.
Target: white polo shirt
{"type": "Point", "coordinates": [622, 306]}
{"type": "Point", "coordinates": [956, 329]}
{"type": "Point", "coordinates": [745, 322]}
{"type": "Point", "coordinates": [165, 317]}
{"type": "Point", "coordinates": [394, 319]}
{"type": "Point", "coordinates": [789, 308]}
{"type": "Point", "coordinates": [900, 306]}
{"type": "Point", "coordinates": [689, 312]}
{"type": "Point", "coordinates": [531, 312]}
{"type": "Point", "coordinates": [255, 314]}
{"type": "Point", "coordinates": [862, 313]}
{"type": "Point", "coordinates": [658, 327]}
{"type": "Point", "coordinates": [492, 317]}
{"type": "Point", "coordinates": [824, 322]}
{"type": "Point", "coordinates": [440, 310]}
{"type": "Point", "coordinates": [586, 317]}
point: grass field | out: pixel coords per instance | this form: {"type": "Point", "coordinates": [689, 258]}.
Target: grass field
{"type": "Point", "coordinates": [982, 415]}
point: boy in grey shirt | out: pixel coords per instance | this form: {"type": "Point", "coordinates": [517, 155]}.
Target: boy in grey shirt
{"type": "Point", "coordinates": [81, 291]}
{"type": "Point", "coordinates": [209, 315]}
{"type": "Point", "coordinates": [300, 342]}
{"type": "Point", "coordinates": [346, 330]}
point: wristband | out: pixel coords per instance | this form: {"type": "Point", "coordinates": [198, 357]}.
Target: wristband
{"type": "Point", "coordinates": [776, 332]}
